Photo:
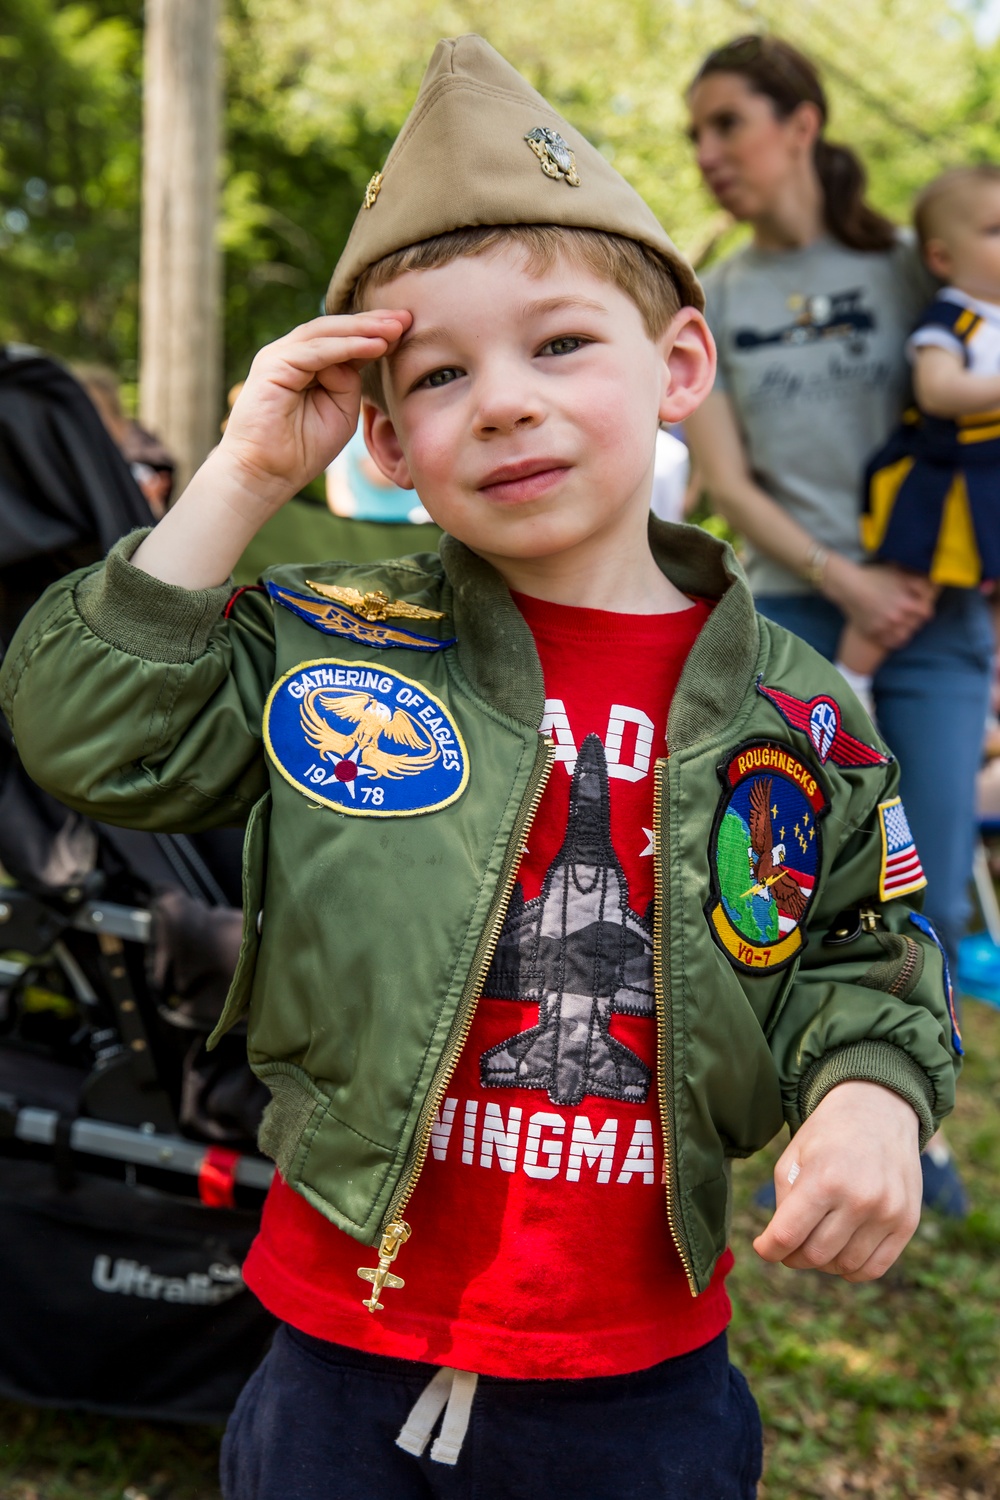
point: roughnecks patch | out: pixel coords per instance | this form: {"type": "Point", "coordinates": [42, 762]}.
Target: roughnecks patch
{"type": "Point", "coordinates": [764, 855]}
{"type": "Point", "coordinates": [364, 740]}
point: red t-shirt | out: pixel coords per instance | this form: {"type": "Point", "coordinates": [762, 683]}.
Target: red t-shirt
{"type": "Point", "coordinates": [540, 1244]}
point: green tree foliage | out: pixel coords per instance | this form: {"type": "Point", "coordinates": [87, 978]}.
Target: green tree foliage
{"type": "Point", "coordinates": [288, 200]}
{"type": "Point", "coordinates": [70, 162]}
{"type": "Point", "coordinates": [316, 91]}
{"type": "Point", "coordinates": [70, 112]}
{"type": "Point", "coordinates": [898, 73]}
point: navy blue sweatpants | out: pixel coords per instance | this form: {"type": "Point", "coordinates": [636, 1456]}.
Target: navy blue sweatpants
{"type": "Point", "coordinates": [319, 1422]}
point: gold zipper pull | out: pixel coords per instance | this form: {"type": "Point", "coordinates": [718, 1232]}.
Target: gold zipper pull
{"type": "Point", "coordinates": [868, 919]}
{"type": "Point", "coordinates": [380, 1276]}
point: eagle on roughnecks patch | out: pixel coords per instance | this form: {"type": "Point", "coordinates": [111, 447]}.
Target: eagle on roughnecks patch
{"type": "Point", "coordinates": [767, 858]}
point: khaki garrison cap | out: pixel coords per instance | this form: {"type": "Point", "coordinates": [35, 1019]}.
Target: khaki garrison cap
{"type": "Point", "coordinates": [482, 147]}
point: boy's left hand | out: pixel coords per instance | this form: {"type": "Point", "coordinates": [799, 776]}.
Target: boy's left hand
{"type": "Point", "coordinates": [854, 1201]}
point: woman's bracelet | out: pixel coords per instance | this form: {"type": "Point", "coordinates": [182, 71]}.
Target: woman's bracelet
{"type": "Point", "coordinates": [814, 567]}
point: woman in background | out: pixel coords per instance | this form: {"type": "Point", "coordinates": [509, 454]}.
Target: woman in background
{"type": "Point", "coordinates": [811, 321]}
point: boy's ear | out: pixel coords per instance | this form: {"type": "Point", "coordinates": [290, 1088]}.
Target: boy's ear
{"type": "Point", "coordinates": [688, 365]}
{"type": "Point", "coordinates": [384, 447]}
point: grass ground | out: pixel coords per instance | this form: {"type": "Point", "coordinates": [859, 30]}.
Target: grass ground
{"type": "Point", "coordinates": [888, 1392]}
{"type": "Point", "coordinates": [891, 1390]}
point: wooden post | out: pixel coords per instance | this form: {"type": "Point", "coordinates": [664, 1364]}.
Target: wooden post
{"type": "Point", "coordinates": [180, 372]}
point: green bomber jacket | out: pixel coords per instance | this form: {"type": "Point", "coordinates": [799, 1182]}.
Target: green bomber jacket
{"type": "Point", "coordinates": [387, 771]}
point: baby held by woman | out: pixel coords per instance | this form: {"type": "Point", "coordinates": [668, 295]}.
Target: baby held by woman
{"type": "Point", "coordinates": [931, 501]}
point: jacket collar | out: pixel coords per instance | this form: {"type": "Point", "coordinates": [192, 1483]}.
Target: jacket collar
{"type": "Point", "coordinates": [497, 653]}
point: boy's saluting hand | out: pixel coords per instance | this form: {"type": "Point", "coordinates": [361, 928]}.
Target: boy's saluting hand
{"type": "Point", "coordinates": [848, 1186]}
{"type": "Point", "coordinates": [297, 410]}
{"type": "Point", "coordinates": [300, 403]}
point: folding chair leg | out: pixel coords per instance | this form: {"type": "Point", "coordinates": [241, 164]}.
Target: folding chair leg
{"type": "Point", "coordinates": [985, 892]}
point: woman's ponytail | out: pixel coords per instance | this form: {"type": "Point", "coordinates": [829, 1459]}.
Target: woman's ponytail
{"type": "Point", "coordinates": [848, 217]}
{"type": "Point", "coordinates": [788, 78]}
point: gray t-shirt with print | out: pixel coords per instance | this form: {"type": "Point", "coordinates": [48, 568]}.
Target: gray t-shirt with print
{"type": "Point", "coordinates": [811, 354]}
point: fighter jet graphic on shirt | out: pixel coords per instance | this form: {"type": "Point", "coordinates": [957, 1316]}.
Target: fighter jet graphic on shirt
{"type": "Point", "coordinates": [582, 954]}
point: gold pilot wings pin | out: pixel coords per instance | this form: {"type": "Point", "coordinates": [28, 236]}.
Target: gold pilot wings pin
{"type": "Point", "coordinates": [363, 618]}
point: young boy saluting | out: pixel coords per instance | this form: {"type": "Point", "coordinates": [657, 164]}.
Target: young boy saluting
{"type": "Point", "coordinates": [568, 879]}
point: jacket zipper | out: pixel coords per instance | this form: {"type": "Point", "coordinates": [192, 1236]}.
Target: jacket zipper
{"type": "Point", "coordinates": [395, 1230]}
{"type": "Point", "coordinates": [664, 1073]}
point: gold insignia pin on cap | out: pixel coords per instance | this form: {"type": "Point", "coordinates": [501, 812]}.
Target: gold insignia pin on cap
{"type": "Point", "coordinates": [460, 161]}
{"type": "Point", "coordinates": [556, 159]}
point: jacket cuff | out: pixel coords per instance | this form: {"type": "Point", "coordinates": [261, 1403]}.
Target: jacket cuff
{"type": "Point", "coordinates": [871, 1062]}
{"type": "Point", "coordinates": [142, 616]}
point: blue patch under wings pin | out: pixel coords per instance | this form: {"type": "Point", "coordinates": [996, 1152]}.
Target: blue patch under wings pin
{"type": "Point", "coordinates": [360, 617]}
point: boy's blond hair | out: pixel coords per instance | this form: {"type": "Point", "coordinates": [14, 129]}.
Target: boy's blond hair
{"type": "Point", "coordinates": [635, 269]}
{"type": "Point", "coordinates": [940, 197]}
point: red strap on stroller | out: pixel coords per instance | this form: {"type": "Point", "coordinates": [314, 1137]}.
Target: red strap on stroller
{"type": "Point", "coordinates": [217, 1178]}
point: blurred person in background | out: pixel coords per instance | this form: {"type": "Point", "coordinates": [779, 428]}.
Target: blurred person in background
{"type": "Point", "coordinates": [671, 477]}
{"type": "Point", "coordinates": [101, 385]}
{"type": "Point", "coordinates": [151, 464]}
{"type": "Point", "coordinates": [811, 321]}
{"type": "Point", "coordinates": [357, 488]}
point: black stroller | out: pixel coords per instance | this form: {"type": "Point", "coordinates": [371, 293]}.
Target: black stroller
{"type": "Point", "coordinates": [130, 1185]}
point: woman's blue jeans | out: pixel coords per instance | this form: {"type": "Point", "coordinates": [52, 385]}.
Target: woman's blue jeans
{"type": "Point", "coordinates": [931, 698]}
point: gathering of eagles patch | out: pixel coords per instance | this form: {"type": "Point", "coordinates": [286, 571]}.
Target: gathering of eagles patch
{"type": "Point", "coordinates": [366, 741]}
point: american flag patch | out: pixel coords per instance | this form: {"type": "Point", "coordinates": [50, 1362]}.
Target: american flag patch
{"type": "Point", "coordinates": [902, 871]}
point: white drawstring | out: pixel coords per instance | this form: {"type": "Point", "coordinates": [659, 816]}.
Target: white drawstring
{"type": "Point", "coordinates": [451, 1391]}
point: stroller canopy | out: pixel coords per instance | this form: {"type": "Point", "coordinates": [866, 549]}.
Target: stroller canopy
{"type": "Point", "coordinates": [63, 483]}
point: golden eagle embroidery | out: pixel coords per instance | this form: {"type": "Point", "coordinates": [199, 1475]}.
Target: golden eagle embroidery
{"type": "Point", "coordinates": [374, 721]}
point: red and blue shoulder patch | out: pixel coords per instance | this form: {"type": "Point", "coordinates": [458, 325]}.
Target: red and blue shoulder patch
{"type": "Point", "coordinates": [819, 719]}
